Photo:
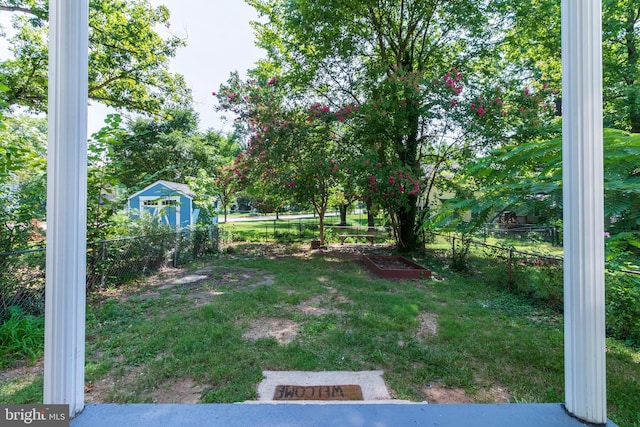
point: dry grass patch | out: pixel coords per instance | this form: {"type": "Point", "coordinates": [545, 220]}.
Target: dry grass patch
{"type": "Point", "coordinates": [283, 330]}
{"type": "Point", "coordinates": [436, 393]}
{"type": "Point", "coordinates": [427, 325]}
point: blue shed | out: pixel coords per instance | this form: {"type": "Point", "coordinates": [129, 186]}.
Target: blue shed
{"type": "Point", "coordinates": [170, 201]}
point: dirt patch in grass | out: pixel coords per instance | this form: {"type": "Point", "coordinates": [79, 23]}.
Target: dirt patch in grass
{"type": "Point", "coordinates": [97, 392]}
{"type": "Point", "coordinates": [25, 371]}
{"type": "Point", "coordinates": [496, 394]}
{"type": "Point", "coordinates": [437, 393]}
{"type": "Point", "coordinates": [202, 285]}
{"type": "Point", "coordinates": [320, 305]}
{"type": "Point", "coordinates": [283, 330]}
{"type": "Point", "coordinates": [314, 307]}
{"type": "Point", "coordinates": [184, 390]}
{"type": "Point", "coordinates": [427, 325]}
{"type": "Point", "coordinates": [105, 390]}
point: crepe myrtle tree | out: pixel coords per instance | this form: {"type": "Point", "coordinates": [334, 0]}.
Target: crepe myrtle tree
{"type": "Point", "coordinates": [294, 152]}
{"type": "Point", "coordinates": [512, 121]}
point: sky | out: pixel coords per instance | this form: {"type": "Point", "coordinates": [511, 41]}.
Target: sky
{"type": "Point", "coordinates": [219, 41]}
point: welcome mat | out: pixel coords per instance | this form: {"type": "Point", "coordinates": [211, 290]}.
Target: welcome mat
{"type": "Point", "coordinates": [318, 392]}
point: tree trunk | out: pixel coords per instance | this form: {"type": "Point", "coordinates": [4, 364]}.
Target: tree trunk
{"type": "Point", "coordinates": [407, 232]}
{"type": "Point", "coordinates": [371, 220]}
{"type": "Point", "coordinates": [632, 65]}
{"type": "Point", "coordinates": [343, 215]}
{"type": "Point", "coordinates": [407, 147]}
{"type": "Point", "coordinates": [321, 225]}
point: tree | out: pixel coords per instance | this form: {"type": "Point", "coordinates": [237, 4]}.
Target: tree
{"type": "Point", "coordinates": [105, 191]}
{"type": "Point", "coordinates": [219, 188]}
{"type": "Point", "coordinates": [529, 177]}
{"type": "Point", "coordinates": [532, 50]}
{"type": "Point", "coordinates": [169, 148]}
{"type": "Point", "coordinates": [22, 181]}
{"type": "Point", "coordinates": [128, 59]}
{"type": "Point", "coordinates": [378, 54]}
{"type": "Point", "coordinates": [294, 153]}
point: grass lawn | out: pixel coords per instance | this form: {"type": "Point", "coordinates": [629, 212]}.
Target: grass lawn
{"type": "Point", "coordinates": [453, 338]}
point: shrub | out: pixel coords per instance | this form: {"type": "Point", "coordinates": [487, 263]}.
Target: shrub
{"type": "Point", "coordinates": [623, 307]}
{"type": "Point", "coordinates": [21, 336]}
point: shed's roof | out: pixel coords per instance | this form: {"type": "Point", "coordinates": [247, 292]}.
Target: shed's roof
{"type": "Point", "coordinates": [175, 186]}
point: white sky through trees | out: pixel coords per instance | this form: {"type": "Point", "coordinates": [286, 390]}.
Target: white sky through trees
{"type": "Point", "coordinates": [219, 41]}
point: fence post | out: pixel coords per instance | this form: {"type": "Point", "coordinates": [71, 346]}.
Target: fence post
{"type": "Point", "coordinates": [176, 249]}
{"type": "Point", "coordinates": [453, 250]}
{"type": "Point", "coordinates": [102, 267]}
{"type": "Point", "coordinates": [510, 270]}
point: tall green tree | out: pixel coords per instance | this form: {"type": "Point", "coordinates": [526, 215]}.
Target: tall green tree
{"type": "Point", "coordinates": [128, 59]}
{"type": "Point", "coordinates": [105, 191]}
{"type": "Point", "coordinates": [22, 181]}
{"type": "Point", "coordinates": [380, 54]}
{"type": "Point", "coordinates": [532, 49]}
{"type": "Point", "coordinates": [528, 178]}
{"type": "Point", "coordinates": [215, 181]}
{"type": "Point", "coordinates": [169, 148]}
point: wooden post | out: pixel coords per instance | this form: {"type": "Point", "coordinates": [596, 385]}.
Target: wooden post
{"type": "Point", "coordinates": [66, 205]}
{"type": "Point", "coordinates": [582, 154]}
{"type": "Point", "coordinates": [453, 250]}
{"type": "Point", "coordinates": [510, 270]}
{"type": "Point", "coordinates": [176, 250]}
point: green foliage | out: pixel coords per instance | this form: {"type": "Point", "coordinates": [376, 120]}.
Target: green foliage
{"type": "Point", "coordinates": [623, 307]}
{"type": "Point", "coordinates": [22, 181]}
{"type": "Point", "coordinates": [527, 178]}
{"type": "Point", "coordinates": [294, 154]}
{"type": "Point", "coordinates": [383, 59]}
{"type": "Point", "coordinates": [532, 46]}
{"type": "Point", "coordinates": [21, 336]}
{"type": "Point", "coordinates": [105, 192]}
{"type": "Point", "coordinates": [128, 59]}
{"type": "Point", "coordinates": [622, 251]}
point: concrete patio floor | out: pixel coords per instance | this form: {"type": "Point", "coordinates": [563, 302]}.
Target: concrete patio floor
{"type": "Point", "coordinates": [334, 415]}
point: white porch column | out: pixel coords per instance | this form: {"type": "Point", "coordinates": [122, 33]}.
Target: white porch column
{"type": "Point", "coordinates": [585, 373]}
{"type": "Point", "coordinates": [66, 205]}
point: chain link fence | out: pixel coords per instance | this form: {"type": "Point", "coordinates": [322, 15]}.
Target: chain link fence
{"type": "Point", "coordinates": [524, 232]}
{"type": "Point", "coordinates": [540, 277]}
{"type": "Point", "coordinates": [109, 263]}
{"type": "Point", "coordinates": [532, 274]}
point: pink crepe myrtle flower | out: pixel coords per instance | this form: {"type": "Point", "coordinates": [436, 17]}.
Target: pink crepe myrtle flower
{"type": "Point", "coordinates": [272, 80]}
